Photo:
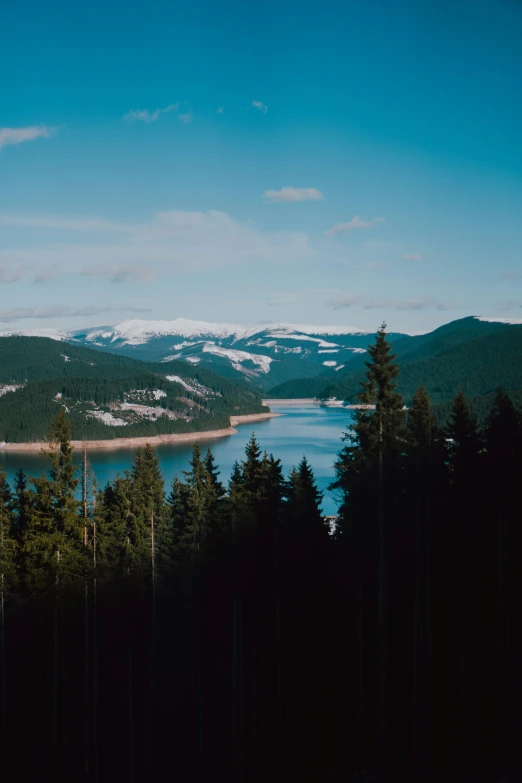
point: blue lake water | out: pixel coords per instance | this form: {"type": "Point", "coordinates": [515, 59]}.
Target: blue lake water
{"type": "Point", "coordinates": [302, 430]}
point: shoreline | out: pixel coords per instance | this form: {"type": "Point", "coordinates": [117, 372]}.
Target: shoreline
{"type": "Point", "coordinates": [153, 440]}
{"type": "Point", "coordinates": [293, 401]}
{"type": "Point", "coordinates": [314, 401]}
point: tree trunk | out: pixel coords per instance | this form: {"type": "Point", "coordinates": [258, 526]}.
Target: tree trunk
{"type": "Point", "coordinates": [382, 623]}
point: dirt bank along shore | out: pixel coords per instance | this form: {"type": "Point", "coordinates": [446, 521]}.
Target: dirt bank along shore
{"type": "Point", "coordinates": [154, 440]}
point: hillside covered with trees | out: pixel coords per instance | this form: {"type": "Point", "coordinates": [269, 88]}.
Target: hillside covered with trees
{"type": "Point", "coordinates": [218, 630]}
{"type": "Point", "coordinates": [469, 354]}
{"type": "Point", "coordinates": [107, 396]}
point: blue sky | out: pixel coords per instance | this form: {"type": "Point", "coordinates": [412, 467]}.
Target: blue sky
{"type": "Point", "coordinates": [325, 162]}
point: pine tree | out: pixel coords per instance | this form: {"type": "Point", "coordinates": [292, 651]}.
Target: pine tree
{"type": "Point", "coordinates": [251, 468]}
{"type": "Point", "coordinates": [380, 432]}
{"type": "Point", "coordinates": [177, 509]}
{"type": "Point", "coordinates": [8, 570]}
{"type": "Point", "coordinates": [368, 472]}
{"type": "Point", "coordinates": [21, 504]}
{"type": "Point", "coordinates": [154, 493]}
{"type": "Point", "coordinates": [8, 584]}
{"type": "Point", "coordinates": [271, 493]}
{"type": "Point", "coordinates": [464, 568]}
{"type": "Point", "coordinates": [146, 517]}
{"type": "Point", "coordinates": [424, 467]}
{"type": "Point", "coordinates": [463, 444]}
{"type": "Point", "coordinates": [41, 541]}
{"type": "Point", "coordinates": [66, 508]}
{"type": "Point", "coordinates": [194, 507]}
{"type": "Point", "coordinates": [213, 472]}
{"type": "Point", "coordinates": [52, 544]}
{"type": "Point", "coordinates": [237, 510]}
{"type": "Point", "coordinates": [503, 443]}
{"type": "Point", "coordinates": [197, 481]}
{"type": "Point", "coordinates": [115, 553]}
{"type": "Point", "coordinates": [303, 514]}
{"type": "Point", "coordinates": [501, 552]}
{"type": "Point", "coordinates": [422, 424]}
{"type": "Point", "coordinates": [249, 487]}
{"type": "Point", "coordinates": [370, 462]}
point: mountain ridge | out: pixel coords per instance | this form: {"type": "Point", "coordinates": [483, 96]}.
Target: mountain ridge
{"type": "Point", "coordinates": [264, 356]}
{"type": "Point", "coordinates": [261, 355]}
{"type": "Point", "coordinates": [107, 395]}
{"type": "Point", "coordinates": [475, 355]}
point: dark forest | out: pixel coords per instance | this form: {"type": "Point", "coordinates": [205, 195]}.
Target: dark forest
{"type": "Point", "coordinates": [208, 632]}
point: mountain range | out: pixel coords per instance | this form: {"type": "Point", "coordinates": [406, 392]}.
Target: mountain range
{"type": "Point", "coordinates": [264, 355]}
{"type": "Point", "coordinates": [297, 360]}
{"type": "Point", "coordinates": [474, 353]}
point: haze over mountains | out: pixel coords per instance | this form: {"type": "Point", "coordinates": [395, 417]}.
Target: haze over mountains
{"type": "Point", "coordinates": [265, 355]}
{"type": "Point", "coordinates": [300, 360]}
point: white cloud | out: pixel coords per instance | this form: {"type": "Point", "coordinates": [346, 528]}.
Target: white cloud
{"type": "Point", "coordinates": [261, 106]}
{"type": "Point", "coordinates": [186, 118]}
{"type": "Point", "coordinates": [9, 274]}
{"type": "Point", "coordinates": [293, 194]}
{"type": "Point", "coordinates": [17, 135]}
{"type": "Point", "coordinates": [66, 224]}
{"type": "Point", "coordinates": [416, 303]}
{"type": "Point", "coordinates": [343, 301]}
{"type": "Point", "coordinates": [144, 115]}
{"type": "Point", "coordinates": [44, 276]}
{"type": "Point", "coordinates": [282, 298]}
{"type": "Point", "coordinates": [506, 305]}
{"type": "Point", "coordinates": [18, 313]}
{"type": "Point", "coordinates": [352, 225]}
{"type": "Point", "coordinates": [168, 244]}
{"type": "Point", "coordinates": [413, 257]}
{"type": "Point", "coordinates": [60, 311]}
{"type": "Point", "coordinates": [120, 274]}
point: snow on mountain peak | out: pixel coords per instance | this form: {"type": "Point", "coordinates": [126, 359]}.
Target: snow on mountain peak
{"type": "Point", "coordinates": [53, 334]}
{"type": "Point", "coordinates": [139, 332]}
{"type": "Point", "coordinates": [327, 330]}
{"type": "Point", "coordinates": [494, 319]}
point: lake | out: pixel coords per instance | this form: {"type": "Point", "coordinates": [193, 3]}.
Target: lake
{"type": "Point", "coordinates": [302, 429]}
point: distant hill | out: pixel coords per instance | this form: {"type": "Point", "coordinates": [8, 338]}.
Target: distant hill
{"type": "Point", "coordinates": [277, 360]}
{"type": "Point", "coordinates": [263, 355]}
{"type": "Point", "coordinates": [108, 396]}
{"type": "Point", "coordinates": [260, 356]}
{"type": "Point", "coordinates": [475, 354]}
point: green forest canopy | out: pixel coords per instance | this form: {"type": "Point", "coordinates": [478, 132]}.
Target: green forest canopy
{"type": "Point", "coordinates": [50, 374]}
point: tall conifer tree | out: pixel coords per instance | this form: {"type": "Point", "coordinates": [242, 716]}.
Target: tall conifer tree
{"type": "Point", "coordinates": [367, 479]}
{"type": "Point", "coordinates": [52, 543]}
{"type": "Point", "coordinates": [21, 504]}
{"type": "Point", "coordinates": [115, 551]}
{"type": "Point", "coordinates": [8, 571]}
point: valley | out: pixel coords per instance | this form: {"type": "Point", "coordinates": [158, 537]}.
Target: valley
{"type": "Point", "coordinates": [108, 397]}
{"type": "Point", "coordinates": [158, 379]}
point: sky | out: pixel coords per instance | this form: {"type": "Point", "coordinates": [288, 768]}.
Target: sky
{"type": "Point", "coordinates": [323, 162]}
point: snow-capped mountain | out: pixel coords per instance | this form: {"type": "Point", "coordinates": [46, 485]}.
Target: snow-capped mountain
{"type": "Point", "coordinates": [265, 354]}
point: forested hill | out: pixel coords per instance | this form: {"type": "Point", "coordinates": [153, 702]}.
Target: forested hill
{"type": "Point", "coordinates": [108, 396]}
{"type": "Point", "coordinates": [474, 355]}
